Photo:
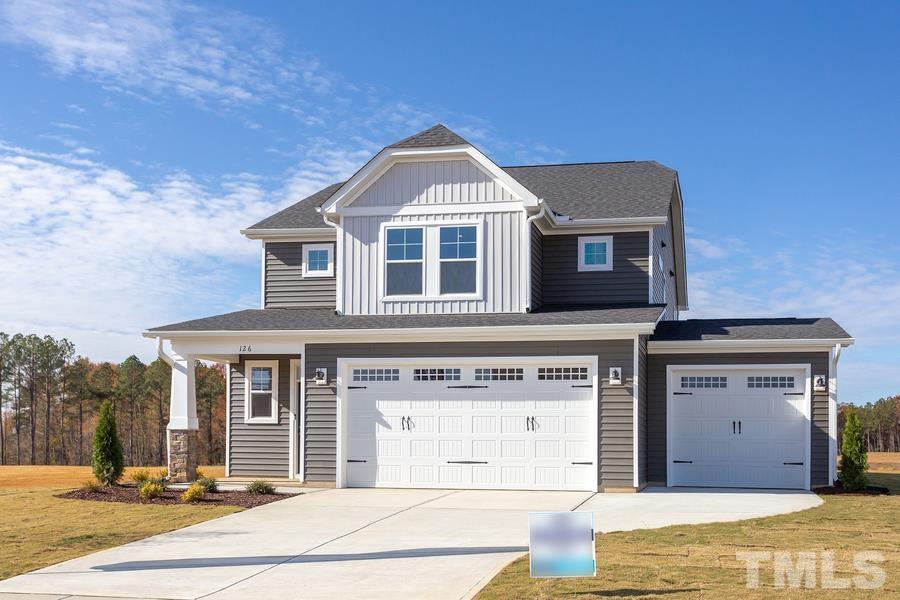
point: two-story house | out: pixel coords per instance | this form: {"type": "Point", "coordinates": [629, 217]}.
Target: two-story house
{"type": "Point", "coordinates": [440, 321]}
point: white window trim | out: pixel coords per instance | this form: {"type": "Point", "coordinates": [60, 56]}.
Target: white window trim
{"type": "Point", "coordinates": [248, 374]}
{"type": "Point", "coordinates": [593, 239]}
{"type": "Point", "coordinates": [382, 240]}
{"type": "Point", "coordinates": [327, 273]}
{"type": "Point", "coordinates": [431, 261]}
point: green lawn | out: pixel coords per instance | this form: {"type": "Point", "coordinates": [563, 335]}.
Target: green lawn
{"type": "Point", "coordinates": [694, 561]}
{"type": "Point", "coordinates": [37, 529]}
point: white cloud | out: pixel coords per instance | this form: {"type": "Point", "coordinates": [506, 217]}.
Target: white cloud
{"type": "Point", "coordinates": [162, 47]}
{"type": "Point", "coordinates": [92, 254]}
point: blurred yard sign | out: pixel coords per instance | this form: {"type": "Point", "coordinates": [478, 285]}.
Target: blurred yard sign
{"type": "Point", "coordinates": [561, 544]}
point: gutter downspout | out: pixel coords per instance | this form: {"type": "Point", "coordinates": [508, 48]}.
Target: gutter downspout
{"type": "Point", "coordinates": [338, 260]}
{"type": "Point", "coordinates": [527, 251]}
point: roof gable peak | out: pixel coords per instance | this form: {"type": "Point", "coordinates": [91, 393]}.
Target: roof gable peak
{"type": "Point", "coordinates": [435, 136]}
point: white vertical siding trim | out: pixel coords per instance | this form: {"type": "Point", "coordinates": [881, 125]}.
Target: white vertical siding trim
{"type": "Point", "coordinates": [228, 412]}
{"type": "Point", "coordinates": [262, 275]}
{"type": "Point", "coordinates": [292, 419]}
{"type": "Point", "coordinates": [650, 260]}
{"type": "Point", "coordinates": [635, 383]}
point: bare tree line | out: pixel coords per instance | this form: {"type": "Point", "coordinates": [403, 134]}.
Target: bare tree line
{"type": "Point", "coordinates": [880, 423]}
{"type": "Point", "coordinates": [49, 399]}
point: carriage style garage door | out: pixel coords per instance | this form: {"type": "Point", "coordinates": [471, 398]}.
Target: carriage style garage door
{"type": "Point", "coordinates": [516, 424]}
{"type": "Point", "coordinates": [739, 427]}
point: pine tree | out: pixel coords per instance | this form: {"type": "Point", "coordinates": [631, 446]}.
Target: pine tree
{"type": "Point", "coordinates": [106, 456]}
{"type": "Point", "coordinates": [854, 462]}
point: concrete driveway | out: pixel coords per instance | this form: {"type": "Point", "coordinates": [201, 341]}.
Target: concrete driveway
{"type": "Point", "coordinates": [368, 543]}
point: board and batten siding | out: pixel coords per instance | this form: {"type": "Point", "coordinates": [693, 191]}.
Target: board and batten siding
{"type": "Point", "coordinates": [615, 463]}
{"type": "Point", "coordinates": [433, 182]}
{"type": "Point", "coordinates": [656, 423]}
{"type": "Point", "coordinates": [285, 285]}
{"type": "Point", "coordinates": [627, 282]}
{"type": "Point", "coordinates": [663, 283]}
{"type": "Point", "coordinates": [501, 256]}
{"type": "Point", "coordinates": [259, 449]}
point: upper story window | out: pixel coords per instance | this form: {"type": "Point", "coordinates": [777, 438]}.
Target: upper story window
{"type": "Point", "coordinates": [318, 260]}
{"type": "Point", "coordinates": [459, 260]}
{"type": "Point", "coordinates": [261, 397]}
{"type": "Point", "coordinates": [436, 261]}
{"type": "Point", "coordinates": [404, 258]}
{"type": "Point", "coordinates": [595, 253]}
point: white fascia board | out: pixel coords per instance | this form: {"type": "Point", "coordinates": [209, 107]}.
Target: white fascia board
{"type": "Point", "coordinates": [699, 346]}
{"type": "Point", "coordinates": [432, 209]}
{"type": "Point", "coordinates": [586, 226]}
{"type": "Point", "coordinates": [382, 161]}
{"type": "Point", "coordinates": [417, 334]}
{"type": "Point", "coordinates": [292, 234]}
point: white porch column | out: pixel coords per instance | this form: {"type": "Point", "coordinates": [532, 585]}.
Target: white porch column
{"type": "Point", "coordinates": [183, 425]}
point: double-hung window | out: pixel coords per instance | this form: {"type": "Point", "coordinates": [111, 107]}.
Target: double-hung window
{"type": "Point", "coordinates": [595, 253]}
{"type": "Point", "coordinates": [458, 259]}
{"type": "Point", "coordinates": [404, 262]}
{"type": "Point", "coordinates": [261, 391]}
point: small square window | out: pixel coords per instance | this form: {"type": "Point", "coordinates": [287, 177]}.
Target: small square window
{"type": "Point", "coordinates": [595, 253]}
{"type": "Point", "coordinates": [318, 260]}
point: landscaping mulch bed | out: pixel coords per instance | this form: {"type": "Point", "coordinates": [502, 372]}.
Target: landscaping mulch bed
{"type": "Point", "coordinates": [838, 490]}
{"type": "Point", "coordinates": [130, 495]}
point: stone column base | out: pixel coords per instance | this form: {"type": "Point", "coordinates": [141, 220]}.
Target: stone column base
{"type": "Point", "coordinates": [182, 455]}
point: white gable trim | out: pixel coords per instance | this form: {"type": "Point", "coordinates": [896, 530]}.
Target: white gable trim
{"type": "Point", "coordinates": [388, 157]}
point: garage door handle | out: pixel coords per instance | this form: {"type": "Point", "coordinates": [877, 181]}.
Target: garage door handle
{"type": "Point", "coordinates": [793, 463]}
{"type": "Point", "coordinates": [793, 393]}
{"type": "Point", "coordinates": [356, 387]}
{"type": "Point", "coordinates": [466, 462]}
{"type": "Point", "coordinates": [683, 393]}
{"type": "Point", "coordinates": [683, 462]}
{"type": "Point", "coordinates": [739, 428]}
{"type": "Point", "coordinates": [355, 460]}
{"type": "Point", "coordinates": [582, 463]}
{"type": "Point", "coordinates": [733, 430]}
{"type": "Point", "coordinates": [466, 387]}
{"type": "Point", "coordinates": [590, 385]}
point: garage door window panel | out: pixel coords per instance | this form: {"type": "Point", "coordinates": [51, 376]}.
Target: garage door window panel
{"type": "Point", "coordinates": [261, 392]}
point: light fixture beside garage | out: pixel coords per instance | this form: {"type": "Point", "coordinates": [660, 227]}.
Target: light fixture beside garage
{"type": "Point", "coordinates": [615, 376]}
{"type": "Point", "coordinates": [321, 376]}
{"type": "Point", "coordinates": [820, 383]}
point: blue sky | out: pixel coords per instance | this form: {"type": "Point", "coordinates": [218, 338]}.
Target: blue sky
{"type": "Point", "coordinates": [137, 139]}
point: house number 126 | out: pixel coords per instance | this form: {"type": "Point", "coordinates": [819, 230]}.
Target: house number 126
{"type": "Point", "coordinates": [246, 348]}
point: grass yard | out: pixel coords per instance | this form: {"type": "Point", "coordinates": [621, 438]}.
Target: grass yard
{"type": "Point", "coordinates": [699, 560]}
{"type": "Point", "coordinates": [884, 461]}
{"type": "Point", "coordinates": [37, 529]}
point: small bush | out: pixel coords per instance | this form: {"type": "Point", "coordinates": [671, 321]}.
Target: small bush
{"type": "Point", "coordinates": [193, 493]}
{"type": "Point", "coordinates": [151, 489]}
{"type": "Point", "coordinates": [260, 487]}
{"type": "Point", "coordinates": [106, 453]}
{"type": "Point", "coordinates": [854, 461]}
{"type": "Point", "coordinates": [91, 486]}
{"type": "Point", "coordinates": [141, 476]}
{"type": "Point", "coordinates": [209, 484]}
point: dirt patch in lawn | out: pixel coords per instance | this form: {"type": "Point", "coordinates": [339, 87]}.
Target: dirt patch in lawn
{"type": "Point", "coordinates": [131, 495]}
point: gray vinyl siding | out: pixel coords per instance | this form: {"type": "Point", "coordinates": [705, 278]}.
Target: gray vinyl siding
{"type": "Point", "coordinates": [285, 284]}
{"type": "Point", "coordinates": [628, 282]}
{"type": "Point", "coordinates": [642, 410]}
{"type": "Point", "coordinates": [615, 463]}
{"type": "Point", "coordinates": [656, 424]}
{"type": "Point", "coordinates": [259, 449]}
{"type": "Point", "coordinates": [537, 267]}
{"type": "Point", "coordinates": [662, 281]}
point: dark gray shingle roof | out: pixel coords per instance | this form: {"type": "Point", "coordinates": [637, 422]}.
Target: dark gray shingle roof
{"type": "Point", "coordinates": [296, 319]}
{"type": "Point", "coordinates": [302, 215]}
{"type": "Point", "coordinates": [581, 191]}
{"type": "Point", "coordinates": [749, 329]}
{"type": "Point", "coordinates": [438, 135]}
{"type": "Point", "coordinates": [601, 190]}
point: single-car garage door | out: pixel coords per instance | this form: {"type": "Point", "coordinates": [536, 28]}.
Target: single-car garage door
{"type": "Point", "coordinates": [506, 425]}
{"type": "Point", "coordinates": [738, 427]}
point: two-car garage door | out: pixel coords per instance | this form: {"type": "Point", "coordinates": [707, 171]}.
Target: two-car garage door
{"type": "Point", "coordinates": [504, 425]}
{"type": "Point", "coordinates": [738, 427]}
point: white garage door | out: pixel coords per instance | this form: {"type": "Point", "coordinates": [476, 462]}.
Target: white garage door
{"type": "Point", "coordinates": [512, 425]}
{"type": "Point", "coordinates": [733, 427]}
